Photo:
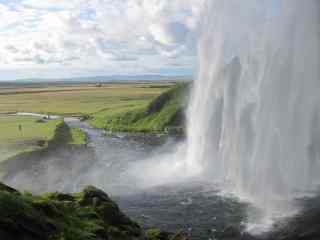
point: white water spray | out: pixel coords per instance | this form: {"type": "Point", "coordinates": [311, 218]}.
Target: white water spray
{"type": "Point", "coordinates": [254, 119]}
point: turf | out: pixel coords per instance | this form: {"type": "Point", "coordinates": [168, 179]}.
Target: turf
{"type": "Point", "coordinates": [34, 134]}
{"type": "Point", "coordinates": [31, 136]}
{"type": "Point", "coordinates": [82, 99]}
{"type": "Point", "coordinates": [163, 112]}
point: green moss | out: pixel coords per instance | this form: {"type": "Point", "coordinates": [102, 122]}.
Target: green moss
{"type": "Point", "coordinates": [90, 214]}
{"type": "Point", "coordinates": [154, 234]}
{"type": "Point", "coordinates": [78, 136]}
{"type": "Point", "coordinates": [87, 215]}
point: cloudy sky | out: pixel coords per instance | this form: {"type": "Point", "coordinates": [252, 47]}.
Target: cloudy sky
{"type": "Point", "coordinates": [71, 38]}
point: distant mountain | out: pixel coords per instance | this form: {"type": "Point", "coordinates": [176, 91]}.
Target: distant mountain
{"type": "Point", "coordinates": [111, 78]}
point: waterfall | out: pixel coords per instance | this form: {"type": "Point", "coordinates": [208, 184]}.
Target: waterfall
{"type": "Point", "coordinates": [254, 117]}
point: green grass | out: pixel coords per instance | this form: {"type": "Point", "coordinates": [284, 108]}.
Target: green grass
{"type": "Point", "coordinates": [79, 99]}
{"type": "Point", "coordinates": [87, 215]}
{"type": "Point", "coordinates": [34, 135]}
{"type": "Point", "coordinates": [13, 141]}
{"type": "Point", "coordinates": [78, 137]}
{"type": "Point", "coordinates": [162, 112]}
{"type": "Point", "coordinates": [122, 107]}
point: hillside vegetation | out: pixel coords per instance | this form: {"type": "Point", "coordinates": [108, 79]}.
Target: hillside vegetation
{"type": "Point", "coordinates": [32, 135]}
{"type": "Point", "coordinates": [19, 149]}
{"type": "Point", "coordinates": [88, 215]}
{"type": "Point", "coordinates": [21, 134]}
{"type": "Point", "coordinates": [165, 112]}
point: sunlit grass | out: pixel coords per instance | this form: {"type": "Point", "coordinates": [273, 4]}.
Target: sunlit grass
{"type": "Point", "coordinates": [81, 99]}
{"type": "Point", "coordinates": [150, 116]}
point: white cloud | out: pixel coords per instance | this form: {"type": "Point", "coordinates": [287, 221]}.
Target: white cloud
{"type": "Point", "coordinates": [51, 4]}
{"type": "Point", "coordinates": [98, 34]}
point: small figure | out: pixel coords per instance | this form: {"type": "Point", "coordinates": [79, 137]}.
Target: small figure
{"type": "Point", "coordinates": [20, 127]}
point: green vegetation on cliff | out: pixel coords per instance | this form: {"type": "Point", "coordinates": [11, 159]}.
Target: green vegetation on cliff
{"type": "Point", "coordinates": [165, 111]}
{"type": "Point", "coordinates": [88, 215]}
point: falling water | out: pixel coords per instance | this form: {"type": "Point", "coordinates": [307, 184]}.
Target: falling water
{"type": "Point", "coordinates": [254, 119]}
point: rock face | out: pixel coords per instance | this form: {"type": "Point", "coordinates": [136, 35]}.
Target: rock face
{"type": "Point", "coordinates": [90, 214]}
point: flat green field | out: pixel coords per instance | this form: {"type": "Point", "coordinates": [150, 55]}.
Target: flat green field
{"type": "Point", "coordinates": [79, 99]}
{"type": "Point", "coordinates": [14, 141]}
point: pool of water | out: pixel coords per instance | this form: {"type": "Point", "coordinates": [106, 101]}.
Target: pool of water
{"type": "Point", "coordinates": [193, 206]}
{"type": "Point", "coordinates": [123, 165]}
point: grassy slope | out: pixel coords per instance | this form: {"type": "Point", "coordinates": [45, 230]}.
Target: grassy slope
{"type": "Point", "coordinates": [14, 142]}
{"type": "Point", "coordinates": [164, 111]}
{"type": "Point", "coordinates": [78, 99]}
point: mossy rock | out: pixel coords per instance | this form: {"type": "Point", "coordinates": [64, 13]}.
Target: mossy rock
{"type": "Point", "coordinates": [87, 215]}
{"type": "Point", "coordinates": [157, 234]}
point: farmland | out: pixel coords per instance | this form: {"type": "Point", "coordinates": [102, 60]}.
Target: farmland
{"type": "Point", "coordinates": [81, 99]}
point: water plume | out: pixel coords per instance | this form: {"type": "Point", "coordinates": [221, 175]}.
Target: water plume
{"type": "Point", "coordinates": [254, 116]}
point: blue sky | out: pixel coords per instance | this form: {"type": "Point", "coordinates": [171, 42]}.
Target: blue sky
{"type": "Point", "coordinates": [74, 38]}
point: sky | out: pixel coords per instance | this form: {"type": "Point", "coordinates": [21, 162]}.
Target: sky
{"type": "Point", "coordinates": [80, 38]}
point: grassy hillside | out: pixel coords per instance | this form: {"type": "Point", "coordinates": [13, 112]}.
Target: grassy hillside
{"type": "Point", "coordinates": [165, 111]}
